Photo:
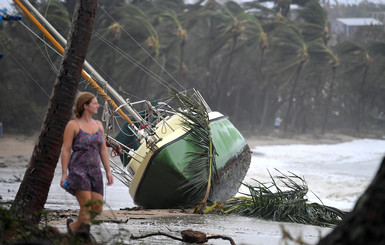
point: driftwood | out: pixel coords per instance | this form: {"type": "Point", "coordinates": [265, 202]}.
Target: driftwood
{"type": "Point", "coordinates": [189, 236]}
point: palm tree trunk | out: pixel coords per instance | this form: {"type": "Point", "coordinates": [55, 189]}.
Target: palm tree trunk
{"type": "Point", "coordinates": [237, 98]}
{"type": "Point", "coordinates": [33, 191]}
{"type": "Point", "coordinates": [266, 99]}
{"type": "Point", "coordinates": [110, 61]}
{"type": "Point", "coordinates": [224, 78]}
{"type": "Point", "coordinates": [260, 79]}
{"type": "Point", "coordinates": [181, 62]}
{"type": "Point", "coordinates": [328, 103]}
{"type": "Point", "coordinates": [286, 119]}
{"type": "Point", "coordinates": [360, 112]}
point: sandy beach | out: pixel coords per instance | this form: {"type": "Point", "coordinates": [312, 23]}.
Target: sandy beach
{"type": "Point", "coordinates": [16, 151]}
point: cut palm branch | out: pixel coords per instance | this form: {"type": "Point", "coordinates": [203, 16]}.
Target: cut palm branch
{"type": "Point", "coordinates": [202, 168]}
{"type": "Point", "coordinates": [270, 202]}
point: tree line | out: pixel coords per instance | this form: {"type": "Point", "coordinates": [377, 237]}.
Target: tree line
{"type": "Point", "coordinates": [249, 61]}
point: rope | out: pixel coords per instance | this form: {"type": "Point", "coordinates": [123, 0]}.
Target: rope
{"type": "Point", "coordinates": [164, 128]}
{"type": "Point", "coordinates": [115, 149]}
{"type": "Point", "coordinates": [106, 115]}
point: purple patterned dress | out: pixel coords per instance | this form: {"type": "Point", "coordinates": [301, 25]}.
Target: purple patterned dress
{"type": "Point", "coordinates": [84, 166]}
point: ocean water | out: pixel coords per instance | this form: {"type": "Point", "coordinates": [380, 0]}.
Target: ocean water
{"type": "Point", "coordinates": [336, 174]}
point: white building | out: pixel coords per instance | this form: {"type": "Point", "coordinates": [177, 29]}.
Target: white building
{"type": "Point", "coordinates": [348, 26]}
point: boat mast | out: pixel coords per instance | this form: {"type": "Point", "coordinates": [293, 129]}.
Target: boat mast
{"type": "Point", "coordinates": [89, 79]}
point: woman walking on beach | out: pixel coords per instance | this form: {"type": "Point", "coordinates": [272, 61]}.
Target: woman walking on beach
{"type": "Point", "coordinates": [85, 137]}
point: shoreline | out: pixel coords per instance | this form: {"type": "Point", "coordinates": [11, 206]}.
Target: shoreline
{"type": "Point", "coordinates": [21, 145]}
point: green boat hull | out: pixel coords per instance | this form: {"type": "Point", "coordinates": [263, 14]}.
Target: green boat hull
{"type": "Point", "coordinates": [161, 181]}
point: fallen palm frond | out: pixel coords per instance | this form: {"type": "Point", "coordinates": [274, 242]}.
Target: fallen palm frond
{"type": "Point", "coordinates": [270, 202]}
{"type": "Point", "coordinates": [201, 169]}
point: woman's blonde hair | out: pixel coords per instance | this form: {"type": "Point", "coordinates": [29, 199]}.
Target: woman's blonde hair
{"type": "Point", "coordinates": [83, 98]}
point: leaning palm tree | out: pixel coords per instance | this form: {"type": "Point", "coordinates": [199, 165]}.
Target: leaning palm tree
{"type": "Point", "coordinates": [315, 22]}
{"type": "Point", "coordinates": [232, 33]}
{"type": "Point", "coordinates": [333, 63]}
{"type": "Point", "coordinates": [315, 29]}
{"type": "Point", "coordinates": [257, 38]}
{"type": "Point", "coordinates": [120, 37]}
{"type": "Point", "coordinates": [217, 46]}
{"type": "Point", "coordinates": [359, 60]}
{"type": "Point", "coordinates": [291, 51]}
{"type": "Point", "coordinates": [180, 40]}
{"type": "Point", "coordinates": [33, 191]}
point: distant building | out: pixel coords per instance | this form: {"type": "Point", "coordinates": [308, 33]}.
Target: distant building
{"type": "Point", "coordinates": [348, 26]}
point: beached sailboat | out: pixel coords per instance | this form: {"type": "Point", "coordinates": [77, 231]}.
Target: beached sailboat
{"type": "Point", "coordinates": [174, 153]}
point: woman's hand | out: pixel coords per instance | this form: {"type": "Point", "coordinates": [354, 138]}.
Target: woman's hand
{"type": "Point", "coordinates": [63, 178]}
{"type": "Point", "coordinates": [110, 179]}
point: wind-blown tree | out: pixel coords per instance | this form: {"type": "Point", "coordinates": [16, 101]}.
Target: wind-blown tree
{"type": "Point", "coordinates": [56, 13]}
{"type": "Point", "coordinates": [138, 47]}
{"type": "Point", "coordinates": [33, 191]}
{"type": "Point", "coordinates": [315, 23]}
{"type": "Point", "coordinates": [167, 18]}
{"type": "Point", "coordinates": [359, 61]}
{"type": "Point", "coordinates": [173, 41]}
{"type": "Point", "coordinates": [231, 32]}
{"type": "Point", "coordinates": [214, 43]}
{"type": "Point", "coordinates": [257, 40]}
{"type": "Point", "coordinates": [315, 29]}
{"type": "Point", "coordinates": [291, 51]}
{"type": "Point", "coordinates": [239, 79]}
{"type": "Point", "coordinates": [323, 56]}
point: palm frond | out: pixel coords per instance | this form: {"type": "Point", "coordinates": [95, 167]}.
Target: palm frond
{"type": "Point", "coordinates": [284, 205]}
{"type": "Point", "coordinates": [202, 170]}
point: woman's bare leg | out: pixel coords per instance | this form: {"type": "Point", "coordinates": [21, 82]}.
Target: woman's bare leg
{"type": "Point", "coordinates": [83, 198]}
{"type": "Point", "coordinates": [91, 204]}
{"type": "Point", "coordinates": [97, 204]}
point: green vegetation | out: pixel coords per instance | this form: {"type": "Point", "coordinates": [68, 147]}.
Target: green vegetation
{"type": "Point", "coordinates": [270, 202]}
{"type": "Point", "coordinates": [14, 232]}
{"type": "Point", "coordinates": [202, 168]}
{"type": "Point", "coordinates": [250, 62]}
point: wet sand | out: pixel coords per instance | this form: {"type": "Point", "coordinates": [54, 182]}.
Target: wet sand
{"type": "Point", "coordinates": [120, 218]}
